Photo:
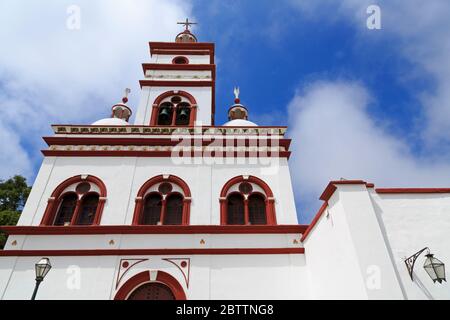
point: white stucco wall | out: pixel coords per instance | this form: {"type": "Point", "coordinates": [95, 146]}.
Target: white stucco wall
{"type": "Point", "coordinates": [210, 277]}
{"type": "Point", "coordinates": [124, 176]}
{"type": "Point", "coordinates": [361, 263]}
{"type": "Point", "coordinates": [410, 223]}
{"type": "Point", "coordinates": [167, 58]}
{"type": "Point", "coordinates": [333, 267]}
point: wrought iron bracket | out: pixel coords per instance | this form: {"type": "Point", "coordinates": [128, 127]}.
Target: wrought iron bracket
{"type": "Point", "coordinates": [412, 260]}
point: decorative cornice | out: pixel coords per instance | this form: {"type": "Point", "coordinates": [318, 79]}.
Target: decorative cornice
{"type": "Point", "coordinates": [148, 229]}
{"type": "Point", "coordinates": [143, 252]}
{"type": "Point", "coordinates": [152, 130]}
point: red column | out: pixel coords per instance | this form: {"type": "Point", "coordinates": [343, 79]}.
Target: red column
{"type": "Point", "coordinates": [246, 215]}
{"type": "Point", "coordinates": [76, 213]}
{"type": "Point", "coordinates": [186, 211]}
{"type": "Point", "coordinates": [99, 211]}
{"type": "Point", "coordinates": [223, 211]}
{"type": "Point", "coordinates": [49, 212]}
{"type": "Point", "coordinates": [137, 211]}
{"type": "Point", "coordinates": [270, 212]}
{"type": "Point", "coordinates": [154, 115]}
{"type": "Point", "coordinates": [163, 211]}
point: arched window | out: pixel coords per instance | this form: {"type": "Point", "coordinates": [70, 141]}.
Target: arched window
{"type": "Point", "coordinates": [88, 208]}
{"type": "Point", "coordinates": [77, 201]}
{"type": "Point", "coordinates": [247, 200]}
{"type": "Point", "coordinates": [163, 200]}
{"type": "Point", "coordinates": [235, 209]}
{"type": "Point", "coordinates": [152, 209]}
{"type": "Point", "coordinates": [66, 209]}
{"type": "Point", "coordinates": [257, 209]}
{"type": "Point", "coordinates": [174, 211]}
{"type": "Point", "coordinates": [174, 108]}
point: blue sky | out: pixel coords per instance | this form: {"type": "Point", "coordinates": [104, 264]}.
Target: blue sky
{"type": "Point", "coordinates": [359, 103]}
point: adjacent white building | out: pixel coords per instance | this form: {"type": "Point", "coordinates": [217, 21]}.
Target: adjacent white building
{"type": "Point", "coordinates": [177, 207]}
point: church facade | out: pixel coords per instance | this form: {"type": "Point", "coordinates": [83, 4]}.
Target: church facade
{"type": "Point", "coordinates": [177, 207]}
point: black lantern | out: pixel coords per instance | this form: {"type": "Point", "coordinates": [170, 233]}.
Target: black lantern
{"type": "Point", "coordinates": [42, 268]}
{"type": "Point", "coordinates": [433, 266]}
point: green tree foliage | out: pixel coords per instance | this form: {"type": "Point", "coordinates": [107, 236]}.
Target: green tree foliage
{"type": "Point", "coordinates": [13, 195]}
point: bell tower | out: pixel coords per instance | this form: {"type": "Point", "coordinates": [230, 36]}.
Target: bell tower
{"type": "Point", "coordinates": [178, 88]}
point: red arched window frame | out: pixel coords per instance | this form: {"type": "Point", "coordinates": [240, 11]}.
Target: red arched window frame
{"type": "Point", "coordinates": [159, 100]}
{"type": "Point", "coordinates": [144, 277]}
{"type": "Point", "coordinates": [268, 196]}
{"type": "Point", "coordinates": [138, 209]}
{"type": "Point", "coordinates": [57, 196]}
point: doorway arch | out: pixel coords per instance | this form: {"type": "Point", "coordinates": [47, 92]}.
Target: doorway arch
{"type": "Point", "coordinates": [141, 285]}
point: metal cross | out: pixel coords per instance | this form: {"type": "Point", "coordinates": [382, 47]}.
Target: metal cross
{"type": "Point", "coordinates": [187, 24]}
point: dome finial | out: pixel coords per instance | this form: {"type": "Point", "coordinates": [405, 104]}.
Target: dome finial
{"type": "Point", "coordinates": [121, 110]}
{"type": "Point", "coordinates": [237, 110]}
{"type": "Point", "coordinates": [125, 97]}
{"type": "Point", "coordinates": [236, 95]}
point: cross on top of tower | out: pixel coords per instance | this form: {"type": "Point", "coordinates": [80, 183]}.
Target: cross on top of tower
{"type": "Point", "coordinates": [187, 24]}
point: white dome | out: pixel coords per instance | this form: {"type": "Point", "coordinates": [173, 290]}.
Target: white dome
{"type": "Point", "coordinates": [240, 123]}
{"type": "Point", "coordinates": [110, 122]}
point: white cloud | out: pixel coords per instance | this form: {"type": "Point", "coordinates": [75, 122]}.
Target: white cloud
{"type": "Point", "coordinates": [334, 137]}
{"type": "Point", "coordinates": [50, 74]}
{"type": "Point", "coordinates": [421, 33]}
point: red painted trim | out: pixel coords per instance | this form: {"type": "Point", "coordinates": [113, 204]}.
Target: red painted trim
{"type": "Point", "coordinates": [176, 48]}
{"type": "Point", "coordinates": [167, 66]}
{"type": "Point", "coordinates": [412, 190]}
{"type": "Point", "coordinates": [172, 283]}
{"type": "Point", "coordinates": [144, 277]}
{"type": "Point", "coordinates": [176, 83]}
{"type": "Point", "coordinates": [186, 277]}
{"type": "Point", "coordinates": [329, 190]}
{"type": "Point", "coordinates": [170, 93]}
{"type": "Point", "coordinates": [131, 284]}
{"type": "Point", "coordinates": [159, 141]}
{"type": "Point", "coordinates": [147, 229]}
{"type": "Point", "coordinates": [53, 204]}
{"type": "Point", "coordinates": [252, 179]}
{"type": "Point", "coordinates": [174, 179]}
{"type": "Point", "coordinates": [181, 45]}
{"type": "Point", "coordinates": [136, 261]}
{"type": "Point", "coordinates": [160, 154]}
{"type": "Point", "coordinates": [141, 252]}
{"type": "Point", "coordinates": [314, 221]}
{"type": "Point", "coordinates": [140, 126]}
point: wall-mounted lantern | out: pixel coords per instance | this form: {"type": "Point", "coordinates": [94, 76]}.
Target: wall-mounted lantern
{"type": "Point", "coordinates": [42, 268]}
{"type": "Point", "coordinates": [433, 266]}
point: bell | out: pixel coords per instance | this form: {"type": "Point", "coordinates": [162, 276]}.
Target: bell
{"type": "Point", "coordinates": [164, 115]}
{"type": "Point", "coordinates": [183, 116]}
